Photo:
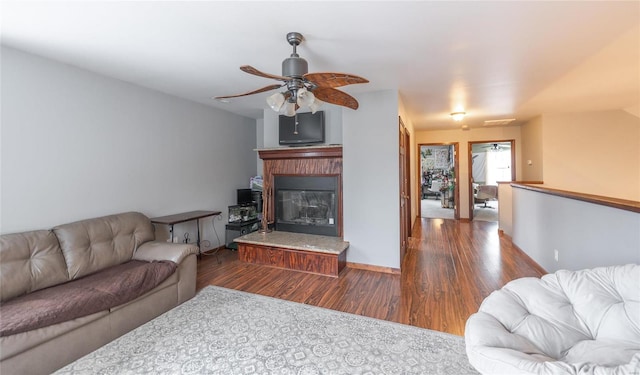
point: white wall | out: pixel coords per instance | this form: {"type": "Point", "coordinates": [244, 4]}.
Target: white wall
{"type": "Point", "coordinates": [586, 235]}
{"type": "Point", "coordinates": [505, 208]}
{"type": "Point", "coordinates": [77, 145]}
{"type": "Point", "coordinates": [371, 180]}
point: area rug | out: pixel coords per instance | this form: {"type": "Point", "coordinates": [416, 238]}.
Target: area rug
{"type": "Point", "coordinates": [222, 331]}
{"type": "Point", "coordinates": [486, 214]}
{"type": "Point", "coordinates": [432, 209]}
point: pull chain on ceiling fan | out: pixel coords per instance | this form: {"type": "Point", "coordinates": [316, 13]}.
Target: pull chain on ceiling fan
{"type": "Point", "coordinates": [302, 89]}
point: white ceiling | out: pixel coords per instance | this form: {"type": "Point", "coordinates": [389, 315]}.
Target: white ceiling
{"type": "Point", "coordinates": [493, 59]}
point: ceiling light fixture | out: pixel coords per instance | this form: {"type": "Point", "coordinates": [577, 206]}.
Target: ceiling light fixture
{"type": "Point", "coordinates": [500, 122]}
{"type": "Point", "coordinates": [458, 116]}
{"type": "Point", "coordinates": [288, 102]}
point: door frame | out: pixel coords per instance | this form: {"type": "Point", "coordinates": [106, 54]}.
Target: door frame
{"type": "Point", "coordinates": [470, 166]}
{"type": "Point", "coordinates": [456, 175]}
{"type": "Point", "coordinates": [404, 148]}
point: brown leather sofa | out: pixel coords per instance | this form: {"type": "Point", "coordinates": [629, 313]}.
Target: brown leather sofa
{"type": "Point", "coordinates": [36, 260]}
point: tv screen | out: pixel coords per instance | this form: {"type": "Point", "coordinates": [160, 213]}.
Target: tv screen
{"type": "Point", "coordinates": [302, 129]}
{"type": "Point", "coordinates": [244, 197]}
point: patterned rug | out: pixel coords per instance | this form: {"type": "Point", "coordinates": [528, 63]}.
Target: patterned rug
{"type": "Point", "coordinates": [222, 331]}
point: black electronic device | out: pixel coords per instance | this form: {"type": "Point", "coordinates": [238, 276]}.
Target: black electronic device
{"type": "Point", "coordinates": [235, 230]}
{"type": "Point", "coordinates": [244, 197]}
{"type": "Point", "coordinates": [302, 129]}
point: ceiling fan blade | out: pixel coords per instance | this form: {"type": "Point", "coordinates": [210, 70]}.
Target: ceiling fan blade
{"type": "Point", "coordinates": [335, 96]}
{"type": "Point", "coordinates": [329, 79]}
{"type": "Point", "coordinates": [266, 88]}
{"type": "Point", "coordinates": [251, 70]}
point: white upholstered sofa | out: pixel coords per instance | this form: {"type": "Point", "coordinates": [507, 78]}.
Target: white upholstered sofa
{"type": "Point", "coordinates": [568, 322]}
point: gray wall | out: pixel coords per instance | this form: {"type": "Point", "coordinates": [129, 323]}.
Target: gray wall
{"type": "Point", "coordinates": [371, 180]}
{"type": "Point", "coordinates": [269, 127]}
{"type": "Point", "coordinates": [586, 235]}
{"type": "Point", "coordinates": [77, 145]}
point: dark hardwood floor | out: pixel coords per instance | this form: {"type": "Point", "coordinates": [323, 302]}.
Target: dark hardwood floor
{"type": "Point", "coordinates": [450, 267]}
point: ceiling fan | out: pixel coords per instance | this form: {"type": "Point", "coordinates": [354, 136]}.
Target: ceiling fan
{"type": "Point", "coordinates": [302, 88]}
{"type": "Point", "coordinates": [496, 146]}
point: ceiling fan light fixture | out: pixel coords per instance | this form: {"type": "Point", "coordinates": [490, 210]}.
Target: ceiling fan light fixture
{"type": "Point", "coordinates": [458, 116]}
{"type": "Point", "coordinates": [275, 101]}
{"type": "Point", "coordinates": [289, 109]}
{"type": "Point", "coordinates": [305, 97]}
{"type": "Point", "coordinates": [315, 105]}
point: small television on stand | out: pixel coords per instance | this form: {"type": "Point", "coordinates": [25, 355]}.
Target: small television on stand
{"type": "Point", "coordinates": [244, 197]}
{"type": "Point", "coordinates": [303, 129]}
{"type": "Point", "coordinates": [245, 209]}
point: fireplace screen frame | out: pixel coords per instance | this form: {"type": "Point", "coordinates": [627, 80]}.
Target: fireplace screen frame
{"type": "Point", "coordinates": [307, 183]}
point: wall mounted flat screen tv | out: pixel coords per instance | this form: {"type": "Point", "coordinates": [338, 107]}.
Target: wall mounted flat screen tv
{"type": "Point", "coordinates": [302, 129]}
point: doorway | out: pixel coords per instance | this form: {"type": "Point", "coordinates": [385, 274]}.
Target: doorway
{"type": "Point", "coordinates": [439, 174]}
{"type": "Point", "coordinates": [405, 188]}
{"type": "Point", "coordinates": [490, 162]}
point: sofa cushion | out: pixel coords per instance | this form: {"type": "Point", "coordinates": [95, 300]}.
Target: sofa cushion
{"type": "Point", "coordinates": [95, 244]}
{"type": "Point", "coordinates": [21, 342]}
{"type": "Point", "coordinates": [30, 261]}
{"type": "Point", "coordinates": [100, 291]}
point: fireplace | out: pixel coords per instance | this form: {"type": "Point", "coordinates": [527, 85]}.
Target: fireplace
{"type": "Point", "coordinates": [311, 196]}
{"type": "Point", "coordinates": [306, 204]}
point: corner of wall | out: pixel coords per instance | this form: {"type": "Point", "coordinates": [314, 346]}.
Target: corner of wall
{"type": "Point", "coordinates": [532, 162]}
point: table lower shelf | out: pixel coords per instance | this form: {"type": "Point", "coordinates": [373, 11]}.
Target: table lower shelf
{"type": "Point", "coordinates": [320, 263]}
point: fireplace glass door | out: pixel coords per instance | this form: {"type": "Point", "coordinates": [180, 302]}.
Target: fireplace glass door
{"type": "Point", "coordinates": [306, 205]}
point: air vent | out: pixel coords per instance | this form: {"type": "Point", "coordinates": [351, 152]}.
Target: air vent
{"type": "Point", "coordinates": [501, 122]}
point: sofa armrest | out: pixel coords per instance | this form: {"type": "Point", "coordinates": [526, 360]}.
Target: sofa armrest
{"type": "Point", "coordinates": [158, 250]}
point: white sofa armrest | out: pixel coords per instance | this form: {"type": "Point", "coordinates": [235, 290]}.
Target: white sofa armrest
{"type": "Point", "coordinates": [158, 250]}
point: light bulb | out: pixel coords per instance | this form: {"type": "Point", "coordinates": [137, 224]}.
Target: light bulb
{"type": "Point", "coordinates": [275, 101]}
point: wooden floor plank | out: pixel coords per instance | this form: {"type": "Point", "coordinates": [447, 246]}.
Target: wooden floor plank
{"type": "Point", "coordinates": [450, 267]}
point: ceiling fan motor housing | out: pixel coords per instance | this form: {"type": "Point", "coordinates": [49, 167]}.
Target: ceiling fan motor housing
{"type": "Point", "coordinates": [294, 66]}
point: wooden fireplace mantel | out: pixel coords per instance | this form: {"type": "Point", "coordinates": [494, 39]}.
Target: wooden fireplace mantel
{"type": "Point", "coordinates": [332, 151]}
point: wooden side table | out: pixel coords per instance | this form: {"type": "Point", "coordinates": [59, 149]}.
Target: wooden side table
{"type": "Point", "coordinates": [183, 217]}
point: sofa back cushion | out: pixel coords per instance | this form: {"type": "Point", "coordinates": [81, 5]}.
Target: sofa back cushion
{"type": "Point", "coordinates": [91, 245]}
{"type": "Point", "coordinates": [30, 261]}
